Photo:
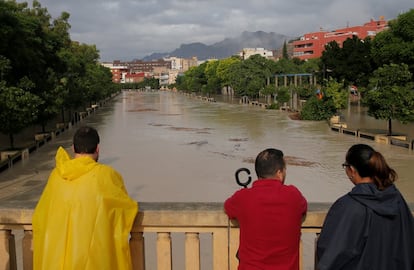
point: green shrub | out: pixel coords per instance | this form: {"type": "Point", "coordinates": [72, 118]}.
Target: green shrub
{"type": "Point", "coordinates": [317, 110]}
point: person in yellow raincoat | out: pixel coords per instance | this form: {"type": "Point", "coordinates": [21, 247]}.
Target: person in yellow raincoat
{"type": "Point", "coordinates": [84, 216]}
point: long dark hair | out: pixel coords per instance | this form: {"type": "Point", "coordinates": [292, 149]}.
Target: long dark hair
{"type": "Point", "coordinates": [370, 163]}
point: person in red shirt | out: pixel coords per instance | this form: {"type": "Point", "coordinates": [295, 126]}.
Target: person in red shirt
{"type": "Point", "coordinates": [270, 215]}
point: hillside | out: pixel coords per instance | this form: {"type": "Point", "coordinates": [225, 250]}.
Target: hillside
{"type": "Point", "coordinates": [226, 47]}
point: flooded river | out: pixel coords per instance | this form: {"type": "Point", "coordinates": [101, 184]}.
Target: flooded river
{"type": "Point", "coordinates": [172, 147]}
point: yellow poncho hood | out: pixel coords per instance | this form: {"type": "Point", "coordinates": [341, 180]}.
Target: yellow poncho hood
{"type": "Point", "coordinates": [83, 218]}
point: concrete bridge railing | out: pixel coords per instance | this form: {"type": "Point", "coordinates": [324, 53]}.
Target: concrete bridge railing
{"type": "Point", "coordinates": [164, 236]}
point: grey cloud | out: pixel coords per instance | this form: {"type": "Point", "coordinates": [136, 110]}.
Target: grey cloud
{"type": "Point", "coordinates": [131, 29]}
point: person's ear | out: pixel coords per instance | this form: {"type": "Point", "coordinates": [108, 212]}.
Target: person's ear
{"type": "Point", "coordinates": [280, 175]}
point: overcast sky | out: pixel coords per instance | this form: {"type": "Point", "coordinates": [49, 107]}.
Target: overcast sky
{"type": "Point", "coordinates": [132, 29]}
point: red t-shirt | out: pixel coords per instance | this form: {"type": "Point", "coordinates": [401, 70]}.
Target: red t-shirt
{"type": "Point", "coordinates": [270, 216]}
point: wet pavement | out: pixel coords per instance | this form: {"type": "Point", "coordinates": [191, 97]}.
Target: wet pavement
{"type": "Point", "coordinates": [22, 184]}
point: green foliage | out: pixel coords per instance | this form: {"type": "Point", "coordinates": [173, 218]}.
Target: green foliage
{"type": "Point", "coordinates": [285, 51]}
{"type": "Point", "coordinates": [195, 78]}
{"type": "Point", "coordinates": [273, 106]}
{"type": "Point", "coordinates": [153, 83]}
{"type": "Point", "coordinates": [391, 94]}
{"type": "Point", "coordinates": [249, 77]}
{"type": "Point", "coordinates": [334, 98]}
{"type": "Point", "coordinates": [223, 68]}
{"type": "Point", "coordinates": [305, 91]}
{"type": "Point", "coordinates": [317, 110]}
{"type": "Point", "coordinates": [283, 95]}
{"type": "Point", "coordinates": [18, 108]}
{"type": "Point", "coordinates": [351, 63]}
{"type": "Point", "coordinates": [253, 77]}
{"type": "Point", "coordinates": [268, 90]}
{"type": "Point", "coordinates": [337, 94]}
{"type": "Point", "coordinates": [213, 81]}
{"type": "Point", "coordinates": [396, 45]}
{"type": "Point", "coordinates": [38, 57]}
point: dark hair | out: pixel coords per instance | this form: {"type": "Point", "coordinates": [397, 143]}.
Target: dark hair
{"type": "Point", "coordinates": [268, 162]}
{"type": "Point", "coordinates": [370, 163]}
{"type": "Point", "coordinates": [85, 140]}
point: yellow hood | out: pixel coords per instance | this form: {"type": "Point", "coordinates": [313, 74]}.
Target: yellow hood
{"type": "Point", "coordinates": [83, 218]}
{"type": "Point", "coordinates": [70, 169]}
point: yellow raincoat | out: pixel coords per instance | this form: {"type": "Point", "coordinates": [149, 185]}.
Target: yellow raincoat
{"type": "Point", "coordinates": [83, 218]}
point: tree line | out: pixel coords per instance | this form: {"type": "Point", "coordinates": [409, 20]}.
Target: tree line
{"type": "Point", "coordinates": [381, 67]}
{"type": "Point", "coordinates": [43, 73]}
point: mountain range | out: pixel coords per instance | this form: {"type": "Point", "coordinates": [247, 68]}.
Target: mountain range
{"type": "Point", "coordinates": [226, 47]}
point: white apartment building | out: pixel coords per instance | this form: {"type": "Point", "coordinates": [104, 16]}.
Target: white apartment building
{"type": "Point", "coordinates": [247, 52]}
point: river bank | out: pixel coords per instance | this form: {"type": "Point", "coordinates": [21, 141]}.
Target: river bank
{"type": "Point", "coordinates": [170, 148]}
{"type": "Point", "coordinates": [32, 138]}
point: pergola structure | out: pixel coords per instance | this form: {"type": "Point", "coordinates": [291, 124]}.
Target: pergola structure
{"type": "Point", "coordinates": [295, 79]}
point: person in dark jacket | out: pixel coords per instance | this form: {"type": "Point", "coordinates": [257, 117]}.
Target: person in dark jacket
{"type": "Point", "coordinates": [372, 226]}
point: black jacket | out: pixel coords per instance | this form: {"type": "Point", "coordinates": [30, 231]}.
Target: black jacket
{"type": "Point", "coordinates": [367, 229]}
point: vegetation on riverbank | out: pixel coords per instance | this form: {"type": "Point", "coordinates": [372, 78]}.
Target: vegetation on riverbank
{"type": "Point", "coordinates": [381, 67]}
{"type": "Point", "coordinates": [43, 73]}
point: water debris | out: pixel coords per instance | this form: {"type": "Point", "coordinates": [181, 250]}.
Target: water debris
{"type": "Point", "coordinates": [248, 160]}
{"type": "Point", "coordinates": [293, 161]}
{"type": "Point", "coordinates": [198, 143]}
{"type": "Point", "coordinates": [158, 125]}
{"type": "Point", "coordinates": [142, 110]}
{"type": "Point", "coordinates": [225, 155]}
{"type": "Point", "coordinates": [238, 139]}
{"type": "Point", "coordinates": [297, 161]}
{"type": "Point", "coordinates": [199, 130]}
{"type": "Point", "coordinates": [294, 116]}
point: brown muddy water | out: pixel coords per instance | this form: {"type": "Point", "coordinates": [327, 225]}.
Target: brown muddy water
{"type": "Point", "coordinates": [172, 147]}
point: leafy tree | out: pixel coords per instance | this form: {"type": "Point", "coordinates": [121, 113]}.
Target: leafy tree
{"type": "Point", "coordinates": [269, 91]}
{"type": "Point", "coordinates": [213, 81]}
{"type": "Point", "coordinates": [333, 99]}
{"type": "Point", "coordinates": [195, 78]}
{"type": "Point", "coordinates": [305, 91]}
{"type": "Point", "coordinates": [223, 70]}
{"type": "Point", "coordinates": [317, 110]}
{"type": "Point", "coordinates": [18, 109]}
{"type": "Point", "coordinates": [285, 51]}
{"type": "Point", "coordinates": [330, 60]}
{"type": "Point", "coordinates": [249, 77]}
{"type": "Point", "coordinates": [351, 64]}
{"type": "Point", "coordinates": [357, 63]}
{"type": "Point", "coordinates": [97, 83]}
{"type": "Point", "coordinates": [35, 42]}
{"type": "Point", "coordinates": [151, 82]}
{"type": "Point", "coordinates": [283, 95]}
{"type": "Point", "coordinates": [391, 94]}
{"type": "Point", "coordinates": [337, 94]}
{"type": "Point", "coordinates": [284, 66]}
{"type": "Point", "coordinates": [396, 45]}
{"type": "Point", "coordinates": [80, 61]}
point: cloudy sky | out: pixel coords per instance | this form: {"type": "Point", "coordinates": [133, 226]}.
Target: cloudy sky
{"type": "Point", "coordinates": [132, 29]}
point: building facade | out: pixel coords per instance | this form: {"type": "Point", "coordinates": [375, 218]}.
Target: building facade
{"type": "Point", "coordinates": [119, 71]}
{"type": "Point", "coordinates": [312, 45]}
{"type": "Point", "coordinates": [166, 70]}
{"type": "Point", "coordinates": [247, 52]}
